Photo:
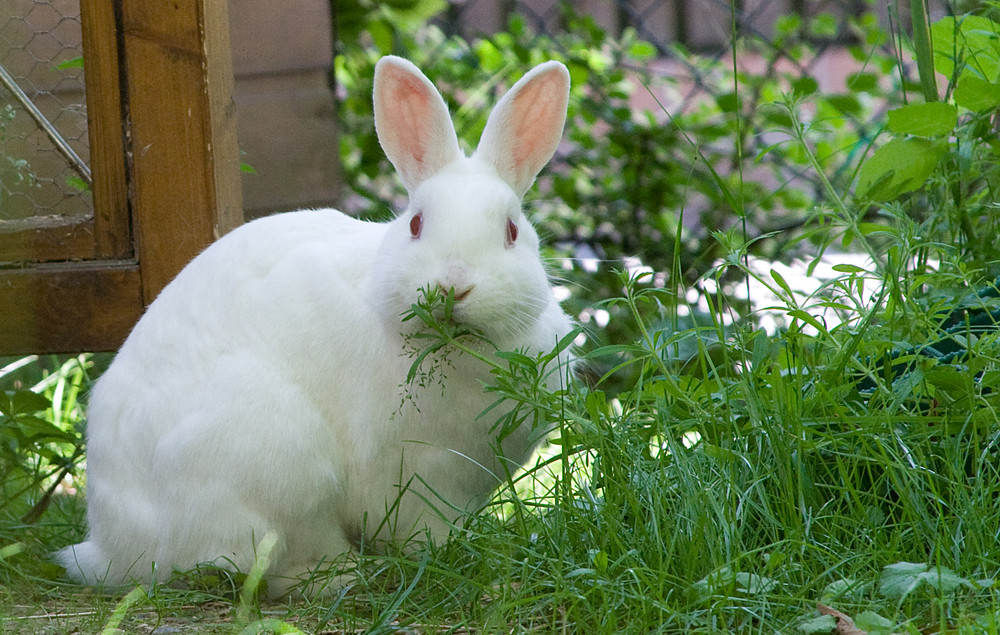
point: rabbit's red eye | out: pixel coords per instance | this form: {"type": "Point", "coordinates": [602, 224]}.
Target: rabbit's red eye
{"type": "Point", "coordinates": [511, 233]}
{"type": "Point", "coordinates": [416, 224]}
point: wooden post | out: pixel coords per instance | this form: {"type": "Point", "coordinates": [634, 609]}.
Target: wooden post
{"type": "Point", "coordinates": [184, 156]}
{"type": "Point", "coordinates": [166, 178]}
{"type": "Point", "coordinates": [106, 131]}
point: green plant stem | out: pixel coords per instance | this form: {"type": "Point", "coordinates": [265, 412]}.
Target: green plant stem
{"type": "Point", "coordinates": [923, 48]}
{"type": "Point", "coordinates": [846, 217]}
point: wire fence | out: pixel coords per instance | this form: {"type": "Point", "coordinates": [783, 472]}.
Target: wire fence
{"type": "Point", "coordinates": [697, 25]}
{"type": "Point", "coordinates": [638, 170]}
{"type": "Point", "coordinates": [41, 51]}
{"type": "Point", "coordinates": [43, 121]}
{"type": "Point", "coordinates": [824, 43]}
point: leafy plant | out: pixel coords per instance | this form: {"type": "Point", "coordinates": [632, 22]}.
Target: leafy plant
{"type": "Point", "coordinates": [14, 172]}
{"type": "Point", "coordinates": [940, 167]}
{"type": "Point", "coordinates": [40, 444]}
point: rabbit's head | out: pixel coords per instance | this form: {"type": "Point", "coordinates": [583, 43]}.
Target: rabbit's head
{"type": "Point", "coordinates": [464, 227]}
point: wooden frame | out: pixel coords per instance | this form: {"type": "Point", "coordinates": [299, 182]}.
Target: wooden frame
{"type": "Point", "coordinates": [166, 178]}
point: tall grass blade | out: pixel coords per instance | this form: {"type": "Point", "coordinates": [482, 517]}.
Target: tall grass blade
{"type": "Point", "coordinates": [924, 48]}
{"type": "Point", "coordinates": [133, 597]}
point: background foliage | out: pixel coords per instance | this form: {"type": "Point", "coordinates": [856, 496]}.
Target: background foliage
{"type": "Point", "coordinates": [759, 151]}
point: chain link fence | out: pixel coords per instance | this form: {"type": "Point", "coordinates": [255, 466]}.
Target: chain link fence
{"type": "Point", "coordinates": [695, 39]}
{"type": "Point", "coordinates": [702, 26]}
{"type": "Point", "coordinates": [40, 50]}
{"type": "Point", "coordinates": [43, 121]}
{"type": "Point", "coordinates": [705, 118]}
{"type": "Point", "coordinates": [704, 164]}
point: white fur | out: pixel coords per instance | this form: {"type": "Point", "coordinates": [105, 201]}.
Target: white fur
{"type": "Point", "coordinates": [263, 391]}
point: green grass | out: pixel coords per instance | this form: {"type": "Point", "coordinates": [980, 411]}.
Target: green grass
{"type": "Point", "coordinates": [729, 493]}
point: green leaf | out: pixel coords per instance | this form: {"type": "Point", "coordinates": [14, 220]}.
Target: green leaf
{"type": "Point", "coordinates": [932, 119]}
{"type": "Point", "coordinates": [578, 73]}
{"type": "Point", "coordinates": [788, 24]}
{"type": "Point", "coordinates": [824, 25]}
{"type": "Point", "coordinates": [413, 14]}
{"type": "Point", "coordinates": [862, 82]}
{"type": "Point", "coordinates": [76, 62]}
{"type": "Point", "coordinates": [37, 429]}
{"type": "Point", "coordinates": [805, 86]}
{"type": "Point", "coordinates": [846, 104]}
{"type": "Point", "coordinates": [870, 229]}
{"type": "Point", "coordinates": [977, 94]}
{"type": "Point", "coordinates": [352, 20]}
{"type": "Point", "coordinates": [872, 623]}
{"type": "Point", "coordinates": [728, 102]}
{"type": "Point", "coordinates": [601, 561]}
{"type": "Point", "coordinates": [970, 40]}
{"type": "Point", "coordinates": [900, 166]}
{"type": "Point", "coordinates": [515, 358]}
{"type": "Point", "coordinates": [848, 268]}
{"type": "Point", "coordinates": [778, 278]}
{"type": "Point", "coordinates": [419, 359]}
{"type": "Point", "coordinates": [824, 624]}
{"type": "Point", "coordinates": [719, 453]}
{"type": "Point", "coordinates": [944, 580]}
{"type": "Point", "coordinates": [597, 405]}
{"type": "Point", "coordinates": [9, 551]}
{"type": "Point", "coordinates": [381, 34]}
{"type": "Point", "coordinates": [753, 584]}
{"type": "Point", "coordinates": [77, 183]}
{"type": "Point", "coordinates": [567, 340]}
{"type": "Point", "coordinates": [899, 580]}
{"type": "Point", "coordinates": [490, 57]}
{"type": "Point", "coordinates": [726, 581]}
{"type": "Point", "coordinates": [952, 382]}
{"type": "Point", "coordinates": [843, 588]}
{"type": "Point", "coordinates": [26, 402]}
{"type": "Point", "coordinates": [642, 51]}
{"type": "Point", "coordinates": [762, 348]}
{"type": "Point", "coordinates": [808, 319]}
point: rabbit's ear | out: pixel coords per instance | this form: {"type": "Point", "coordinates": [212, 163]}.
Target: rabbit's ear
{"type": "Point", "coordinates": [412, 122]}
{"type": "Point", "coordinates": [524, 129]}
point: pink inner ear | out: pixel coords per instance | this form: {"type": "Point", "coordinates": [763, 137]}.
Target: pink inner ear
{"type": "Point", "coordinates": [534, 131]}
{"type": "Point", "coordinates": [411, 106]}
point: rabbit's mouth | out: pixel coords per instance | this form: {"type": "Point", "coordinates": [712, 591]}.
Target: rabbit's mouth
{"type": "Point", "coordinates": [441, 310]}
{"type": "Point", "coordinates": [471, 313]}
{"type": "Point", "coordinates": [457, 294]}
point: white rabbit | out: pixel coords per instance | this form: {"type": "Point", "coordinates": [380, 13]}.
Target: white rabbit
{"type": "Point", "coordinates": [264, 391]}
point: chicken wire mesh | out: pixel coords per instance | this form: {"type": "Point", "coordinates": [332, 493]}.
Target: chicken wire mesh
{"type": "Point", "coordinates": [40, 43]}
{"type": "Point", "coordinates": [41, 58]}
{"type": "Point", "coordinates": [825, 43]}
{"type": "Point", "coordinates": [707, 28]}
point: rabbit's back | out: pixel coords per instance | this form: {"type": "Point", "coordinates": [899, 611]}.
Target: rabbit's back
{"type": "Point", "coordinates": [259, 295]}
{"type": "Point", "coordinates": [236, 421]}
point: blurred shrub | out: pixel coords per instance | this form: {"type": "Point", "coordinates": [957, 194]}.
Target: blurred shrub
{"type": "Point", "coordinates": [756, 156]}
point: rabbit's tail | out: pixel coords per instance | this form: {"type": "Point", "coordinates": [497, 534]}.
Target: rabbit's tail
{"type": "Point", "coordinates": [86, 563]}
